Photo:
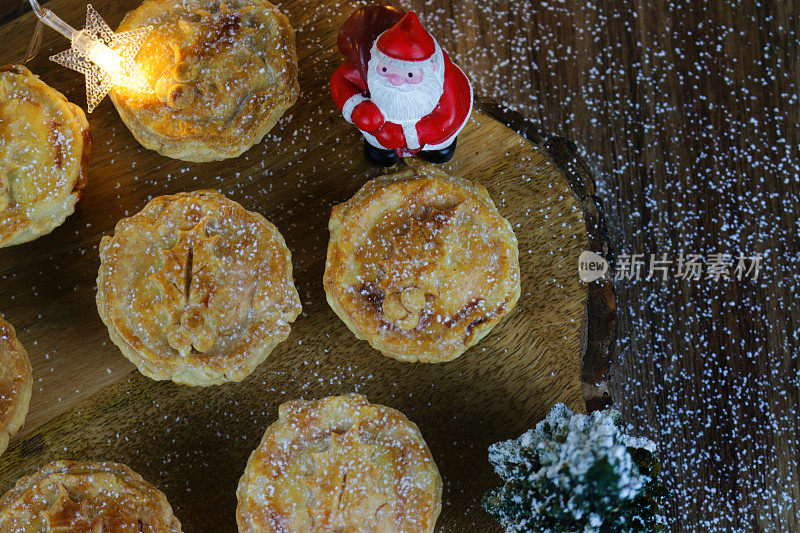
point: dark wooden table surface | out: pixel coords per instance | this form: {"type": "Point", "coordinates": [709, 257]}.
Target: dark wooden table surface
{"type": "Point", "coordinates": [688, 113]}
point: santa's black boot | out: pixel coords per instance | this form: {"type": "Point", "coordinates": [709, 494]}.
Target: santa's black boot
{"type": "Point", "coordinates": [439, 156]}
{"type": "Point", "coordinates": [379, 157]}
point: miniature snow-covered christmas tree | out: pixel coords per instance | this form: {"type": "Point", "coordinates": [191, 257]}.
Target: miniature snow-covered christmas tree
{"type": "Point", "coordinates": [576, 473]}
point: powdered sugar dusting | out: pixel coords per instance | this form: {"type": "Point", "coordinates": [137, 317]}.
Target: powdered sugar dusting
{"type": "Point", "coordinates": [687, 114]}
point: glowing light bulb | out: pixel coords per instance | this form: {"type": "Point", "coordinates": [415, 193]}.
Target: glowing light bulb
{"type": "Point", "coordinates": [109, 61]}
{"type": "Point", "coordinates": [104, 57]}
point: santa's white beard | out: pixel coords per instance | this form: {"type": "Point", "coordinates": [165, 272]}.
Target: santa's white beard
{"type": "Point", "coordinates": [407, 103]}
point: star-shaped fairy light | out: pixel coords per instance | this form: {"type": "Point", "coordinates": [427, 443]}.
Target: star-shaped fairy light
{"type": "Point", "coordinates": [104, 57]}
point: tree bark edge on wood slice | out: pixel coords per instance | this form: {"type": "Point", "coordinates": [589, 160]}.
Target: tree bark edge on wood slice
{"type": "Point", "coordinates": [599, 328]}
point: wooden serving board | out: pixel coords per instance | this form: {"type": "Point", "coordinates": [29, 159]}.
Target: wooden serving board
{"type": "Point", "coordinates": [90, 403]}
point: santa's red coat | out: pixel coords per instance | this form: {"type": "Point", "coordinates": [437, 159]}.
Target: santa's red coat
{"type": "Point", "coordinates": [443, 123]}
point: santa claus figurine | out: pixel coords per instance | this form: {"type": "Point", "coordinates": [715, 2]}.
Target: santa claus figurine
{"type": "Point", "coordinates": [399, 87]}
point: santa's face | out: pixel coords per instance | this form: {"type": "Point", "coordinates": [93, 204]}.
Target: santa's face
{"type": "Point", "coordinates": [400, 76]}
{"type": "Point", "coordinates": [405, 91]}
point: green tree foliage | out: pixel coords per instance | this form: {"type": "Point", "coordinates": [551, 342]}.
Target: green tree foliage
{"type": "Point", "coordinates": [576, 473]}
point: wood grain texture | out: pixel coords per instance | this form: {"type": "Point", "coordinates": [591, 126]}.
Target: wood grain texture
{"type": "Point", "coordinates": [687, 112]}
{"type": "Point", "coordinates": [89, 402]}
{"type": "Point", "coordinates": [11, 9]}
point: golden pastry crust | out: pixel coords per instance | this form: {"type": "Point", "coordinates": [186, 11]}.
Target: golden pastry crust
{"type": "Point", "coordinates": [86, 497]}
{"type": "Point", "coordinates": [196, 289]}
{"type": "Point", "coordinates": [339, 464]}
{"type": "Point", "coordinates": [44, 155]}
{"type": "Point", "coordinates": [16, 383]}
{"type": "Point", "coordinates": [221, 73]}
{"type": "Point", "coordinates": [421, 265]}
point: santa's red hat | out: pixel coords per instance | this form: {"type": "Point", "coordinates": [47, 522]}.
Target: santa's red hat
{"type": "Point", "coordinates": [407, 40]}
